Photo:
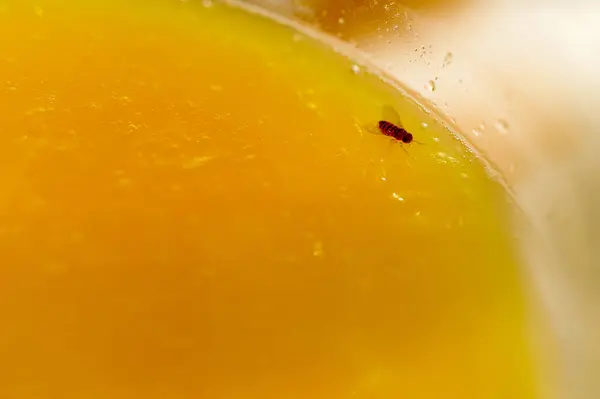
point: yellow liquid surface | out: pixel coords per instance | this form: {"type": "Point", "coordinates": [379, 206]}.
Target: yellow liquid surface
{"type": "Point", "coordinates": [189, 209]}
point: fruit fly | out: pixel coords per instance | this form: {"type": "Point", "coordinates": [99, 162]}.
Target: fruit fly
{"type": "Point", "coordinates": [391, 126]}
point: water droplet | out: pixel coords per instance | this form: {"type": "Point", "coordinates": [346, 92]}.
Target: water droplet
{"type": "Point", "coordinates": [395, 27]}
{"type": "Point", "coordinates": [196, 162]}
{"type": "Point", "coordinates": [355, 69]}
{"type": "Point", "coordinates": [430, 85]}
{"type": "Point", "coordinates": [502, 126]}
{"type": "Point", "coordinates": [398, 197]}
{"type": "Point", "coordinates": [10, 86]}
{"type": "Point", "coordinates": [476, 132]}
{"type": "Point", "coordinates": [124, 182]}
{"type": "Point", "coordinates": [424, 125]}
{"type": "Point", "coordinates": [448, 59]}
{"type": "Point", "coordinates": [56, 267]}
{"type": "Point", "coordinates": [437, 140]}
{"type": "Point", "coordinates": [341, 21]}
{"type": "Point", "coordinates": [318, 249]}
{"type": "Point", "coordinates": [207, 3]}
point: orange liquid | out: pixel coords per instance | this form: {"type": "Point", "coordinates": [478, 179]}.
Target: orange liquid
{"type": "Point", "coordinates": [189, 210]}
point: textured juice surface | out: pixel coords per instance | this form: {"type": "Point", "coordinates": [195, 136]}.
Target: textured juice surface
{"type": "Point", "coordinates": [189, 209]}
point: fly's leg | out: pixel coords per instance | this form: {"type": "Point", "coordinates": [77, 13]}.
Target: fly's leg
{"type": "Point", "coordinates": [405, 150]}
{"type": "Point", "coordinates": [407, 153]}
{"type": "Point", "coordinates": [383, 171]}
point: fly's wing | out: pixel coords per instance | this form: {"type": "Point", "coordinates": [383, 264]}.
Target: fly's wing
{"type": "Point", "coordinates": [389, 114]}
{"type": "Point", "coordinates": [367, 128]}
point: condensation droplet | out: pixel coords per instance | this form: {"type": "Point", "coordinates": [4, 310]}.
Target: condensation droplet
{"type": "Point", "coordinates": [476, 132]}
{"type": "Point", "coordinates": [207, 3]}
{"type": "Point", "coordinates": [341, 21]}
{"type": "Point", "coordinates": [502, 126]}
{"type": "Point", "coordinates": [448, 59]}
{"type": "Point", "coordinates": [424, 125]}
{"type": "Point", "coordinates": [355, 69]}
{"type": "Point", "coordinates": [430, 85]}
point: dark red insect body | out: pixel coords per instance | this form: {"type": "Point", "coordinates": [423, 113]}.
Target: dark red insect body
{"type": "Point", "coordinates": [391, 130]}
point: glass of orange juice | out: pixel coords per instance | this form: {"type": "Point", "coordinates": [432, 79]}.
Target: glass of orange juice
{"type": "Point", "coordinates": [198, 200]}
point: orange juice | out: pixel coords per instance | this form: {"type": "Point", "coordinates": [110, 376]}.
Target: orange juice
{"type": "Point", "coordinates": [192, 205]}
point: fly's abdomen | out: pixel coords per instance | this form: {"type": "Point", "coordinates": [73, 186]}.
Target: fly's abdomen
{"type": "Point", "coordinates": [387, 128]}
